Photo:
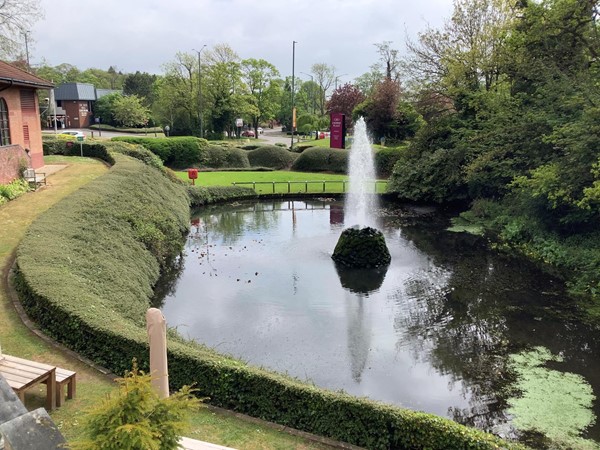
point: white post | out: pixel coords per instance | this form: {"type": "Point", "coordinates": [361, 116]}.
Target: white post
{"type": "Point", "coordinates": [53, 108]}
{"type": "Point", "coordinates": [157, 337]}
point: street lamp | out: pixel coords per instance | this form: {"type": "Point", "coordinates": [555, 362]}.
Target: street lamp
{"type": "Point", "coordinates": [293, 68]}
{"type": "Point", "coordinates": [200, 89]}
{"type": "Point", "coordinates": [336, 78]}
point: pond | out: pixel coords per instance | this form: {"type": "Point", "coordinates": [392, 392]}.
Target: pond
{"type": "Point", "coordinates": [434, 332]}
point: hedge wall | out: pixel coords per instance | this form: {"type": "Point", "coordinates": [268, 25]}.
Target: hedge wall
{"type": "Point", "coordinates": [85, 271]}
{"type": "Point", "coordinates": [175, 152]}
{"type": "Point", "coordinates": [320, 159]}
{"type": "Point", "coordinates": [272, 156]}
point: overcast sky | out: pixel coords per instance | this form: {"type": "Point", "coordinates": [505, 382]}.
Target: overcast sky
{"type": "Point", "coordinates": [143, 35]}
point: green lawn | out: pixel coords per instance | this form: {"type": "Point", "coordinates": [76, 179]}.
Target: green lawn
{"type": "Point", "coordinates": [279, 181]}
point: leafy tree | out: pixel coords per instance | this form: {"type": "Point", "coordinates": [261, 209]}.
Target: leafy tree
{"type": "Point", "coordinates": [260, 77]}
{"type": "Point", "coordinates": [367, 82]}
{"type": "Point", "coordinates": [129, 111]}
{"type": "Point", "coordinates": [343, 100]}
{"type": "Point", "coordinates": [104, 107]}
{"type": "Point", "coordinates": [136, 418]}
{"type": "Point", "coordinates": [142, 85]}
{"type": "Point", "coordinates": [389, 60]}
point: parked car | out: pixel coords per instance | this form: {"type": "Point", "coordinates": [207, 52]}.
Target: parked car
{"type": "Point", "coordinates": [248, 133]}
{"type": "Point", "coordinates": [260, 130]}
{"type": "Point", "coordinates": [73, 133]}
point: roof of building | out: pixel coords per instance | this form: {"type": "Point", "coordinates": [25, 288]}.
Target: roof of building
{"type": "Point", "coordinates": [12, 75]}
{"type": "Point", "coordinates": [75, 91]}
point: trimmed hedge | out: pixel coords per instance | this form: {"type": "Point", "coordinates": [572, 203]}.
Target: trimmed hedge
{"type": "Point", "coordinates": [218, 157]}
{"type": "Point", "coordinates": [175, 152]}
{"type": "Point", "coordinates": [201, 196]}
{"type": "Point", "coordinates": [385, 160]}
{"type": "Point", "coordinates": [320, 159]}
{"type": "Point", "coordinates": [87, 283]}
{"type": "Point", "coordinates": [271, 156]}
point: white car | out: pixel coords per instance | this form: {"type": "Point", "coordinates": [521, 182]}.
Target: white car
{"type": "Point", "coordinates": [260, 130]}
{"type": "Point", "coordinates": [73, 133]}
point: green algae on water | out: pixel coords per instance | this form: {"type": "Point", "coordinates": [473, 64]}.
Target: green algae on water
{"type": "Point", "coordinates": [556, 404]}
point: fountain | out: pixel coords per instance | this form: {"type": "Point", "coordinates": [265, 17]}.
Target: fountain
{"type": "Point", "coordinates": [361, 245]}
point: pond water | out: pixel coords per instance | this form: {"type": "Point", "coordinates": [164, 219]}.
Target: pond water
{"type": "Point", "coordinates": [433, 332]}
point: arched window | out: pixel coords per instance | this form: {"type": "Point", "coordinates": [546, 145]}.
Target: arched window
{"type": "Point", "coordinates": [4, 126]}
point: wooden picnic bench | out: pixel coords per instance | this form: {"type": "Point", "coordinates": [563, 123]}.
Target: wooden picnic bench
{"type": "Point", "coordinates": [21, 374]}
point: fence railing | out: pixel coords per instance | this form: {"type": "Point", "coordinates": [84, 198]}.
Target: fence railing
{"type": "Point", "coordinates": [308, 187]}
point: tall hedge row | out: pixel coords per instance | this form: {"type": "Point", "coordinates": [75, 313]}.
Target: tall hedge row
{"type": "Point", "coordinates": [85, 272]}
{"type": "Point", "coordinates": [175, 152]}
{"type": "Point", "coordinates": [272, 156]}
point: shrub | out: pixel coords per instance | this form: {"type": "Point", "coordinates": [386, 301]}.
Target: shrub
{"type": "Point", "coordinates": [175, 152]}
{"type": "Point", "coordinates": [271, 156]}
{"type": "Point", "coordinates": [225, 157]}
{"type": "Point", "coordinates": [13, 189]}
{"type": "Point", "coordinates": [136, 418]}
{"type": "Point", "coordinates": [135, 151]}
{"type": "Point", "coordinates": [319, 159]}
{"type": "Point", "coordinates": [385, 159]}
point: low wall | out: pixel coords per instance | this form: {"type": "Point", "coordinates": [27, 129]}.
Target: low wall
{"type": "Point", "coordinates": [13, 158]}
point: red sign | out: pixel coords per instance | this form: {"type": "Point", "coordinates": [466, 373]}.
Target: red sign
{"type": "Point", "coordinates": [338, 130]}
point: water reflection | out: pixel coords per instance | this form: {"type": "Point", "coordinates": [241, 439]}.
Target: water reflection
{"type": "Point", "coordinates": [432, 334]}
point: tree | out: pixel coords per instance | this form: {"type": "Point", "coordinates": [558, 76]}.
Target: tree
{"type": "Point", "coordinates": [343, 100]}
{"type": "Point", "coordinates": [140, 84]}
{"type": "Point", "coordinates": [324, 77]}
{"type": "Point", "coordinates": [16, 18]}
{"type": "Point", "coordinates": [129, 111]}
{"type": "Point", "coordinates": [260, 77]}
{"type": "Point", "coordinates": [389, 59]}
{"type": "Point", "coordinates": [104, 107]}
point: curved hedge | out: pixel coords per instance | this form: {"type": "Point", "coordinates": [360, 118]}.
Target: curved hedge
{"type": "Point", "coordinates": [271, 156]}
{"type": "Point", "coordinates": [320, 159]}
{"type": "Point", "coordinates": [219, 157]}
{"type": "Point", "coordinates": [85, 272]}
{"type": "Point", "coordinates": [176, 152]}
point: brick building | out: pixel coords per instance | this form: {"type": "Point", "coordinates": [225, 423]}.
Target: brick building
{"type": "Point", "coordinates": [74, 104]}
{"type": "Point", "coordinates": [20, 126]}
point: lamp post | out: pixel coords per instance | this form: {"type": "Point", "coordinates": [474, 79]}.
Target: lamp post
{"type": "Point", "coordinates": [336, 78]}
{"type": "Point", "coordinates": [293, 68]}
{"type": "Point", "coordinates": [200, 89]}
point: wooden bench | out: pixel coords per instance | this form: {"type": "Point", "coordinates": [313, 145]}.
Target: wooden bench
{"type": "Point", "coordinates": [68, 378]}
{"type": "Point", "coordinates": [34, 178]}
{"type": "Point", "coordinates": [21, 374]}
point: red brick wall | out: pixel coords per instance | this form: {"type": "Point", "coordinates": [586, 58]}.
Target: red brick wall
{"type": "Point", "coordinates": [12, 157]}
{"type": "Point", "coordinates": [20, 121]}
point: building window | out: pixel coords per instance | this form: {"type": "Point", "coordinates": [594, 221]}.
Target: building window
{"type": "Point", "coordinates": [27, 101]}
{"type": "Point", "coordinates": [4, 126]}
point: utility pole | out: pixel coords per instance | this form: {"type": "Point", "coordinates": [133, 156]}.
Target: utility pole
{"type": "Point", "coordinates": [336, 78]}
{"type": "Point", "coordinates": [200, 90]}
{"type": "Point", "coordinates": [293, 68]}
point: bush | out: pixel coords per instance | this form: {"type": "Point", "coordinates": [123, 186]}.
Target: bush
{"type": "Point", "coordinates": [175, 152]}
{"type": "Point", "coordinates": [319, 159]}
{"type": "Point", "coordinates": [135, 151]}
{"type": "Point", "coordinates": [226, 157]}
{"type": "Point", "coordinates": [385, 159]}
{"type": "Point", "coordinates": [12, 190]}
{"type": "Point", "coordinates": [271, 156]}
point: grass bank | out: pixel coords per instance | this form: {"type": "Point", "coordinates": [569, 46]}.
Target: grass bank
{"type": "Point", "coordinates": [16, 216]}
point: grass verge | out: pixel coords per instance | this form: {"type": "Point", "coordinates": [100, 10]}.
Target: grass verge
{"type": "Point", "coordinates": [18, 340]}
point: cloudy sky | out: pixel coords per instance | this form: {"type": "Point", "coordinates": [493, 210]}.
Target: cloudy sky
{"type": "Point", "coordinates": [143, 35]}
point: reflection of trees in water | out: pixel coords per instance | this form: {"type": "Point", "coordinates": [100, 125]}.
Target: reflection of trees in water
{"type": "Point", "coordinates": [167, 282]}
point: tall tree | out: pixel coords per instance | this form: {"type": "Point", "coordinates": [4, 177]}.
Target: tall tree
{"type": "Point", "coordinates": [389, 59]}
{"type": "Point", "coordinates": [129, 111]}
{"type": "Point", "coordinates": [343, 100]}
{"type": "Point", "coordinates": [140, 84]}
{"type": "Point", "coordinates": [16, 19]}
{"type": "Point", "coordinates": [324, 76]}
{"type": "Point", "coordinates": [260, 77]}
